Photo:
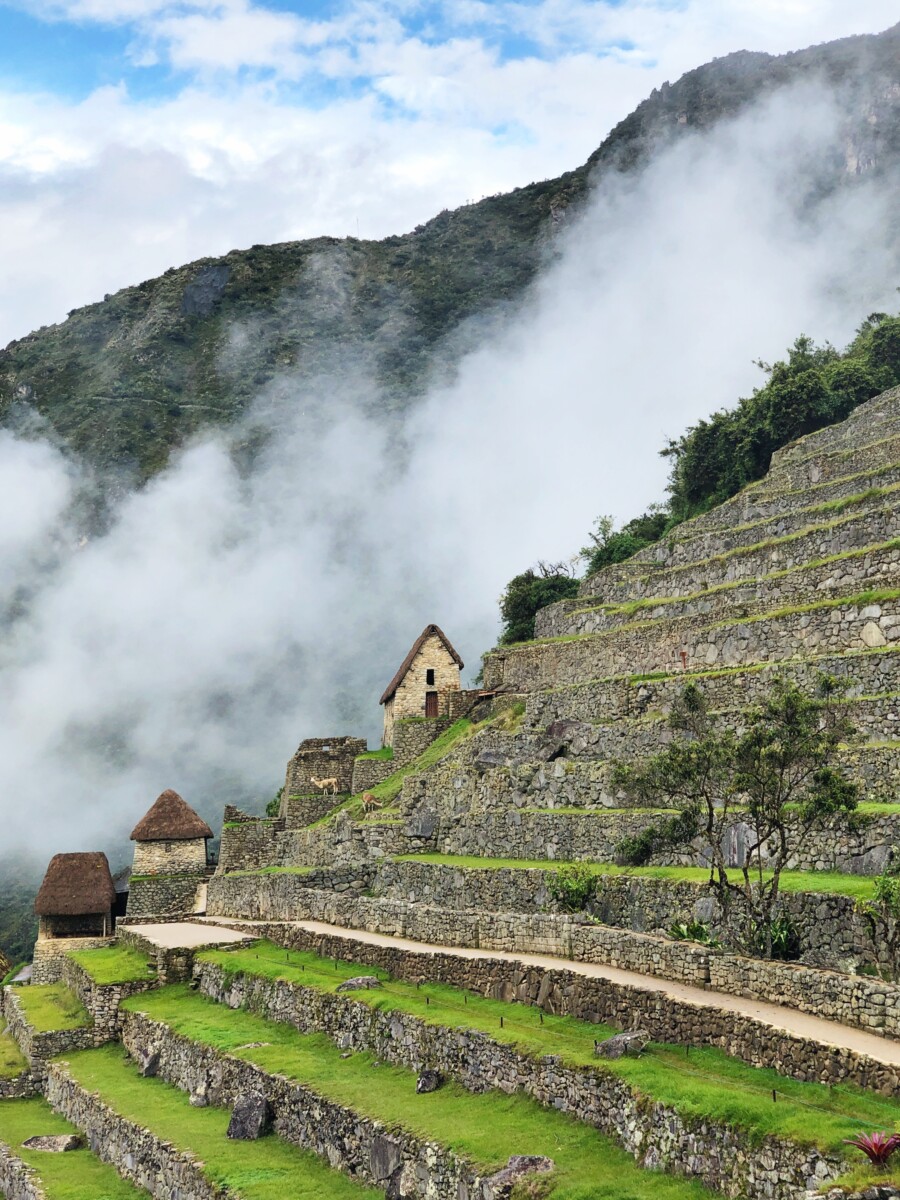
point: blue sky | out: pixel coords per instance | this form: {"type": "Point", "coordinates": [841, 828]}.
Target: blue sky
{"type": "Point", "coordinates": [138, 134]}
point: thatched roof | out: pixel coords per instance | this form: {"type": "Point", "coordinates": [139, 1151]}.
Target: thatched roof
{"type": "Point", "coordinates": [76, 885]}
{"type": "Point", "coordinates": [171, 819]}
{"type": "Point", "coordinates": [423, 637]}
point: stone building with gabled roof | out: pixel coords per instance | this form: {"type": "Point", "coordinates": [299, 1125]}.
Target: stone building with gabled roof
{"type": "Point", "coordinates": [170, 838]}
{"type": "Point", "coordinates": [423, 682]}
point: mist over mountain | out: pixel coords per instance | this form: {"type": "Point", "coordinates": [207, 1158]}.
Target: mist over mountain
{"type": "Point", "coordinates": [236, 493]}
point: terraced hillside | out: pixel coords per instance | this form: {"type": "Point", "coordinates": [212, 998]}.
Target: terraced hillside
{"type": "Point", "coordinates": [468, 994]}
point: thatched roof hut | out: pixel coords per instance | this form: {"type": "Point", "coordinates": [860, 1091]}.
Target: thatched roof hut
{"type": "Point", "coordinates": [76, 885]}
{"type": "Point", "coordinates": [170, 819]}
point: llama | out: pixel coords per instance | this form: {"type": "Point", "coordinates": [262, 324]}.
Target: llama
{"type": "Point", "coordinates": [370, 803]}
{"type": "Point", "coordinates": [325, 784]}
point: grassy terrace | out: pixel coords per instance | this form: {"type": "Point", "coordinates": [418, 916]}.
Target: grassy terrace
{"type": "Point", "coordinates": [51, 1006]}
{"type": "Point", "coordinates": [115, 964]}
{"type": "Point", "coordinates": [704, 1083]}
{"type": "Point", "coordinates": [12, 1061]}
{"type": "Point", "coordinates": [629, 607]}
{"type": "Point", "coordinates": [75, 1175]}
{"type": "Point", "coordinates": [485, 1128]}
{"type": "Point", "coordinates": [860, 600]}
{"type": "Point", "coordinates": [858, 887]}
{"type": "Point", "coordinates": [268, 1169]}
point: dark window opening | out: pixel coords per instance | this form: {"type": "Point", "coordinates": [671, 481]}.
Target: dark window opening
{"type": "Point", "coordinates": [429, 675]}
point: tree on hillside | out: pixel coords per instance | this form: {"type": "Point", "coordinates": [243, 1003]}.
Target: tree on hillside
{"type": "Point", "coordinates": [532, 590]}
{"type": "Point", "coordinates": [775, 777]}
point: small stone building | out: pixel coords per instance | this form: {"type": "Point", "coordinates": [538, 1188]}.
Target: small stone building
{"type": "Point", "coordinates": [169, 875]}
{"type": "Point", "coordinates": [170, 839]}
{"type": "Point", "coordinates": [424, 682]}
{"type": "Point", "coordinates": [77, 897]}
{"type": "Point", "coordinates": [75, 904]}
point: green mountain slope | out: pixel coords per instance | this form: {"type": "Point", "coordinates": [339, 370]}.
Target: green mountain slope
{"type": "Point", "coordinates": [127, 379]}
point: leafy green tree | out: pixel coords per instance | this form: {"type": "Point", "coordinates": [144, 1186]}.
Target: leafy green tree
{"type": "Point", "coordinates": [776, 778]}
{"type": "Point", "coordinates": [525, 594]}
{"type": "Point", "coordinates": [608, 546]}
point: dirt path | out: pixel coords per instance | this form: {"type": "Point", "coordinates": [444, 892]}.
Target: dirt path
{"type": "Point", "coordinates": [185, 934]}
{"type": "Point", "coordinates": [829, 1033]}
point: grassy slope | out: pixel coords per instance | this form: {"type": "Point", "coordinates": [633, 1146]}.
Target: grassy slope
{"type": "Point", "coordinates": [700, 1083]}
{"type": "Point", "coordinates": [12, 1061]}
{"type": "Point", "coordinates": [858, 887]}
{"type": "Point", "coordinates": [51, 1006]}
{"type": "Point", "coordinates": [268, 1169]}
{"type": "Point", "coordinates": [75, 1175]}
{"type": "Point", "coordinates": [485, 1129]}
{"type": "Point", "coordinates": [115, 964]}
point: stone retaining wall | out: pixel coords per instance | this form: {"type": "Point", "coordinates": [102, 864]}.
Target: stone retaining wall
{"type": "Point", "coordinates": [369, 772]}
{"type": "Point", "coordinates": [22, 1087]}
{"type": "Point", "coordinates": [298, 811]}
{"type": "Point", "coordinates": [163, 1170]}
{"type": "Point", "coordinates": [17, 1180]}
{"type": "Point", "coordinates": [609, 1002]}
{"type": "Point", "coordinates": [858, 1000]}
{"type": "Point", "coordinates": [164, 895]}
{"type": "Point", "coordinates": [723, 1157]}
{"type": "Point", "coordinates": [858, 571]}
{"type": "Point", "coordinates": [102, 1001]}
{"type": "Point", "coordinates": [871, 672]}
{"type": "Point", "coordinates": [394, 1159]}
{"type": "Point", "coordinates": [538, 666]}
{"type": "Point", "coordinates": [831, 930]}
{"type": "Point", "coordinates": [51, 953]}
{"type": "Point", "coordinates": [637, 580]}
{"type": "Point", "coordinates": [38, 1047]}
{"type": "Point", "coordinates": [247, 845]}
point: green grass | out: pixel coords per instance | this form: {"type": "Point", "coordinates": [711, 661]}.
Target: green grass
{"type": "Point", "coordinates": [52, 1006]}
{"type": "Point", "coordinates": [75, 1175]}
{"type": "Point", "coordinates": [700, 1084]}
{"type": "Point", "coordinates": [12, 973]}
{"type": "Point", "coordinates": [630, 607]}
{"type": "Point", "coordinates": [386, 753]}
{"type": "Point", "coordinates": [115, 964]}
{"type": "Point", "coordinates": [12, 1060]}
{"type": "Point", "coordinates": [269, 1169]}
{"type": "Point", "coordinates": [827, 882]}
{"type": "Point", "coordinates": [485, 1128]}
{"type": "Point", "coordinates": [389, 789]}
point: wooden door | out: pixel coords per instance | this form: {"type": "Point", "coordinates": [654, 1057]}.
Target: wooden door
{"type": "Point", "coordinates": [431, 704]}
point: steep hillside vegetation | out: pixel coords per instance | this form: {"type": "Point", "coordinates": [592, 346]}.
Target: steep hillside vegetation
{"type": "Point", "coordinates": [124, 380]}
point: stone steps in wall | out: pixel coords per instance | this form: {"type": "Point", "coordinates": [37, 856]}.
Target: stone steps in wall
{"type": "Point", "coordinates": [875, 566]}
{"type": "Point", "coordinates": [631, 581]}
{"type": "Point", "coordinates": [825, 627]}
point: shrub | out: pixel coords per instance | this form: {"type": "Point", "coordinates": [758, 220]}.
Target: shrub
{"type": "Point", "coordinates": [637, 851]}
{"type": "Point", "coordinates": [274, 806]}
{"type": "Point", "coordinates": [693, 931]}
{"type": "Point", "coordinates": [573, 886]}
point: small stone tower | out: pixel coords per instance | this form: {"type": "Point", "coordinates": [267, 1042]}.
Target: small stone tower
{"type": "Point", "coordinates": [424, 681]}
{"type": "Point", "coordinates": [170, 838]}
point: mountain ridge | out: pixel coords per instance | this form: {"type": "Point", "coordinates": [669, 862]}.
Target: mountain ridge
{"type": "Point", "coordinates": [127, 379]}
